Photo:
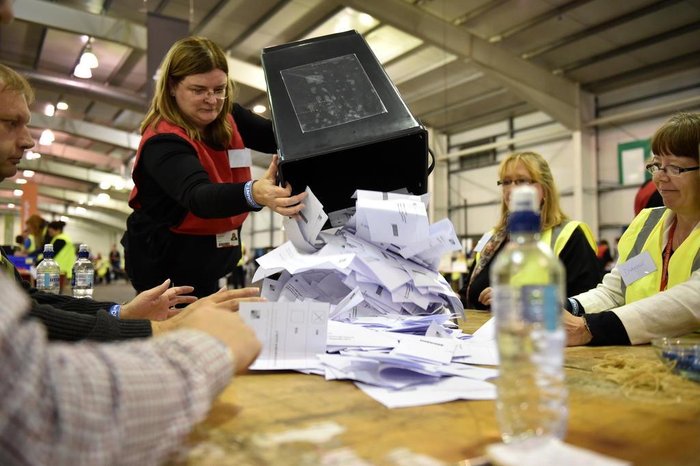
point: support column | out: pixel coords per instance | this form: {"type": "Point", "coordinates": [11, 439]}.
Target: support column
{"type": "Point", "coordinates": [585, 160]}
{"type": "Point", "coordinates": [437, 181]}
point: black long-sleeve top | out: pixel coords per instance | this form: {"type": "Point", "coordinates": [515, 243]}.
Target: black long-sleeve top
{"type": "Point", "coordinates": [172, 182]}
{"type": "Point", "coordinates": [582, 271]}
{"type": "Point", "coordinates": [71, 319]}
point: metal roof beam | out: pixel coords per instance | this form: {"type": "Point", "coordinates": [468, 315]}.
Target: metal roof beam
{"type": "Point", "coordinates": [87, 130]}
{"type": "Point", "coordinates": [554, 95]}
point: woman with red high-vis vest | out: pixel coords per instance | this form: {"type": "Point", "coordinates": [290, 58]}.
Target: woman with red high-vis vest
{"type": "Point", "coordinates": [654, 288]}
{"type": "Point", "coordinates": [193, 186]}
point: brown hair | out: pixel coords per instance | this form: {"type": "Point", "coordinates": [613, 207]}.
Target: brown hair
{"type": "Point", "coordinates": [679, 136]}
{"type": "Point", "coordinates": [550, 213]}
{"type": "Point", "coordinates": [10, 80]}
{"type": "Point", "coordinates": [192, 55]}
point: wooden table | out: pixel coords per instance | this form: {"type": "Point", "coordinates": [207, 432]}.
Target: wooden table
{"type": "Point", "coordinates": [602, 418]}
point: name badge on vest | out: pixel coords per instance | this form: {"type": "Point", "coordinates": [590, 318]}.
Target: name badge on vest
{"type": "Point", "coordinates": [637, 267]}
{"type": "Point", "coordinates": [227, 239]}
{"type": "Point", "coordinates": [238, 158]}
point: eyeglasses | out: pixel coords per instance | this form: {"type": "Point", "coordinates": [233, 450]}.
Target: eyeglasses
{"type": "Point", "coordinates": [202, 92]}
{"type": "Point", "coordinates": [518, 182]}
{"type": "Point", "coordinates": [670, 170]}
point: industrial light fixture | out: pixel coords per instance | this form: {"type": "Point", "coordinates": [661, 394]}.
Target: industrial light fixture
{"type": "Point", "coordinates": [259, 108]}
{"type": "Point", "coordinates": [46, 138]}
{"type": "Point", "coordinates": [62, 106]}
{"type": "Point", "coordinates": [88, 58]}
{"type": "Point", "coordinates": [82, 71]}
{"type": "Point", "coordinates": [10, 205]}
{"type": "Point", "coordinates": [31, 155]}
{"type": "Point", "coordinates": [49, 110]}
{"type": "Point", "coordinates": [28, 173]}
{"type": "Point", "coordinates": [21, 181]}
{"type": "Point", "coordinates": [17, 193]}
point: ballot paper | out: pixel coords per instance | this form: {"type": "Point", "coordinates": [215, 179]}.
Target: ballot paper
{"type": "Point", "coordinates": [292, 333]}
{"type": "Point", "coordinates": [441, 391]}
{"type": "Point", "coordinates": [303, 230]}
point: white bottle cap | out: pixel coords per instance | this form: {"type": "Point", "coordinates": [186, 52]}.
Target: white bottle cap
{"type": "Point", "coordinates": [524, 198]}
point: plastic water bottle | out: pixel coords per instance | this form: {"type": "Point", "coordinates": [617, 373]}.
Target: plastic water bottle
{"type": "Point", "coordinates": [83, 274]}
{"type": "Point", "coordinates": [48, 273]}
{"type": "Point", "coordinates": [528, 288]}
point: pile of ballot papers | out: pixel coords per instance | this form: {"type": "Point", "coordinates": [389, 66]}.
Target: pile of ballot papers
{"type": "Point", "coordinates": [382, 261]}
{"type": "Point", "coordinates": [364, 302]}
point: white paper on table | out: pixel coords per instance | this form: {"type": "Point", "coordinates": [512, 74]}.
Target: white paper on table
{"type": "Point", "coordinates": [422, 348]}
{"type": "Point", "coordinates": [291, 333]}
{"type": "Point", "coordinates": [286, 257]}
{"type": "Point", "coordinates": [344, 307]}
{"type": "Point", "coordinates": [345, 335]}
{"type": "Point", "coordinates": [477, 352]}
{"type": "Point", "coordinates": [441, 391]}
{"type": "Point", "coordinates": [547, 451]}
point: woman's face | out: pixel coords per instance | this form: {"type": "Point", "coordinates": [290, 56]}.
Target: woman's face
{"type": "Point", "coordinates": [516, 174]}
{"type": "Point", "coordinates": [198, 97]}
{"type": "Point", "coordinates": [680, 193]}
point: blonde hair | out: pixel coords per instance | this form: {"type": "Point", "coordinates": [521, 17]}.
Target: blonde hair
{"type": "Point", "coordinates": [192, 55]}
{"type": "Point", "coordinates": [551, 214]}
{"type": "Point", "coordinates": [10, 80]}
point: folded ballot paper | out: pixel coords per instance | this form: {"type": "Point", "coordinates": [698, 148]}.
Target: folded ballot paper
{"type": "Point", "coordinates": [387, 308]}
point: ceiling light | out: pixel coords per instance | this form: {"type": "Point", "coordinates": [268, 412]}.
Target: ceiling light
{"type": "Point", "coordinates": [46, 138]}
{"type": "Point", "coordinates": [259, 108]}
{"type": "Point", "coordinates": [82, 71]}
{"type": "Point", "coordinates": [49, 110]}
{"type": "Point", "coordinates": [103, 197]}
{"type": "Point", "coordinates": [21, 181]}
{"type": "Point", "coordinates": [104, 184]}
{"type": "Point", "coordinates": [80, 210]}
{"type": "Point", "coordinates": [31, 155]}
{"type": "Point", "coordinates": [28, 173]}
{"type": "Point", "coordinates": [63, 218]}
{"type": "Point", "coordinates": [10, 205]}
{"type": "Point", "coordinates": [88, 58]}
{"type": "Point", "coordinates": [62, 106]}
{"type": "Point", "coordinates": [17, 193]}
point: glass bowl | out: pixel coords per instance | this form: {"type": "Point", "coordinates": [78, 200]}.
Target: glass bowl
{"type": "Point", "coordinates": [681, 354]}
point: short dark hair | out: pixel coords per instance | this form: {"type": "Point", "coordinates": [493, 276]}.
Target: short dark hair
{"type": "Point", "coordinates": [679, 136]}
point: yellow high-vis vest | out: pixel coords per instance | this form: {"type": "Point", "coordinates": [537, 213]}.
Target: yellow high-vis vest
{"type": "Point", "coordinates": [646, 234]}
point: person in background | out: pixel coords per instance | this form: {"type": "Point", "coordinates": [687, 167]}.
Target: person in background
{"type": "Point", "coordinates": [192, 181]}
{"type": "Point", "coordinates": [647, 196]}
{"type": "Point", "coordinates": [63, 251]}
{"type": "Point", "coordinates": [115, 263]}
{"type": "Point", "coordinates": [572, 241]}
{"type": "Point", "coordinates": [126, 404]}
{"type": "Point", "coordinates": [605, 258]}
{"type": "Point", "coordinates": [37, 236]}
{"type": "Point", "coordinates": [629, 307]}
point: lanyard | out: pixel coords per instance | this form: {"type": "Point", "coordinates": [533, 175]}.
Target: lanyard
{"type": "Point", "coordinates": [668, 250]}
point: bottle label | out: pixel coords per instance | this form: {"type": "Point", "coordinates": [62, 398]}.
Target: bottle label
{"type": "Point", "coordinates": [48, 281]}
{"type": "Point", "coordinates": [83, 279]}
{"type": "Point", "coordinates": [528, 303]}
{"type": "Point", "coordinates": [540, 303]}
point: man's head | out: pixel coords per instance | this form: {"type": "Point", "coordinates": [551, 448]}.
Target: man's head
{"type": "Point", "coordinates": [6, 13]}
{"type": "Point", "coordinates": [15, 97]}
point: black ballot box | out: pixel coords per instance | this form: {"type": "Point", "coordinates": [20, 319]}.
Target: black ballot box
{"type": "Point", "coordinates": [340, 122]}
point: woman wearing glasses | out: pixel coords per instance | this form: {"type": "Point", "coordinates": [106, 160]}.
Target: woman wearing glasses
{"type": "Point", "coordinates": [654, 289]}
{"type": "Point", "coordinates": [193, 186]}
{"type": "Point", "coordinates": [571, 241]}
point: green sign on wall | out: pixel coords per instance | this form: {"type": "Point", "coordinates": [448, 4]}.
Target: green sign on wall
{"type": "Point", "coordinates": [631, 161]}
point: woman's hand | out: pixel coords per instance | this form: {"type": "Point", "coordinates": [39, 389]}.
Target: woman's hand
{"type": "Point", "coordinates": [267, 193]}
{"type": "Point", "coordinates": [485, 296]}
{"type": "Point", "coordinates": [157, 303]}
{"type": "Point", "coordinates": [577, 332]}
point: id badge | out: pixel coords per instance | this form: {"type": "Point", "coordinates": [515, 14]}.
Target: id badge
{"type": "Point", "coordinates": [238, 158]}
{"type": "Point", "coordinates": [637, 267]}
{"type": "Point", "coordinates": [227, 239]}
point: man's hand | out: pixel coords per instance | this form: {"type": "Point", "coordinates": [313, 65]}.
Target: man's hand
{"type": "Point", "coordinates": [157, 303]}
{"type": "Point", "coordinates": [225, 300]}
{"type": "Point", "coordinates": [486, 296]}
{"type": "Point", "coordinates": [224, 325]}
{"type": "Point", "coordinates": [577, 332]}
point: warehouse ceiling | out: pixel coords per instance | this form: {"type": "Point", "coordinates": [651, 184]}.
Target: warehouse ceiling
{"type": "Point", "coordinates": [458, 64]}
